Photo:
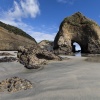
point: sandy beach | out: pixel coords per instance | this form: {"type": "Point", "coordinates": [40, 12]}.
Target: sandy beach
{"type": "Point", "coordinates": [73, 79]}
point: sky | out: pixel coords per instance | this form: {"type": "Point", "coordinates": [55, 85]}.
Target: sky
{"type": "Point", "coordinates": [41, 18]}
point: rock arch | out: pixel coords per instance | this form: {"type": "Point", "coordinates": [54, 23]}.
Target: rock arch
{"type": "Point", "coordinates": [78, 28]}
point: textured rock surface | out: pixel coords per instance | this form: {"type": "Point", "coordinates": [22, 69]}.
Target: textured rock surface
{"type": "Point", "coordinates": [6, 54]}
{"type": "Point", "coordinates": [45, 44]}
{"type": "Point", "coordinates": [12, 39]}
{"type": "Point", "coordinates": [8, 59]}
{"type": "Point", "coordinates": [78, 28]}
{"type": "Point", "coordinates": [15, 84]}
{"type": "Point", "coordinates": [35, 57]}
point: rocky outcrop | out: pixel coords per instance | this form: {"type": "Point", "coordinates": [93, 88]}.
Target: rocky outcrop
{"type": "Point", "coordinates": [47, 45]}
{"type": "Point", "coordinates": [77, 28]}
{"type": "Point", "coordinates": [6, 54]}
{"type": "Point", "coordinates": [15, 84]}
{"type": "Point", "coordinates": [12, 37]}
{"type": "Point", "coordinates": [8, 59]}
{"type": "Point", "coordinates": [35, 57]}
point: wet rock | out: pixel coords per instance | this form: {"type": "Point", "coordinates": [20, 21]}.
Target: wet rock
{"type": "Point", "coordinates": [8, 59]}
{"type": "Point", "coordinates": [35, 57]}
{"type": "Point", "coordinates": [15, 84]}
{"type": "Point", "coordinates": [6, 54]}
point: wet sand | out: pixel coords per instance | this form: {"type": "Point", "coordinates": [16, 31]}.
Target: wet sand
{"type": "Point", "coordinates": [73, 79]}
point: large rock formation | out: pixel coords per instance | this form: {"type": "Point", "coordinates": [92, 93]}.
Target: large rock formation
{"type": "Point", "coordinates": [11, 38]}
{"type": "Point", "coordinates": [77, 28]}
{"type": "Point", "coordinates": [35, 57]}
{"type": "Point", "coordinates": [47, 45]}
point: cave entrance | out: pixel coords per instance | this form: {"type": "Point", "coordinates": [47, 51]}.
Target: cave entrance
{"type": "Point", "coordinates": [76, 48]}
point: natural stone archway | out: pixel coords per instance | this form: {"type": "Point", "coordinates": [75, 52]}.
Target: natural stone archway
{"type": "Point", "coordinates": [77, 28]}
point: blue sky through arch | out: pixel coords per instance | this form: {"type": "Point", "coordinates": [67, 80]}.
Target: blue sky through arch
{"type": "Point", "coordinates": [77, 46]}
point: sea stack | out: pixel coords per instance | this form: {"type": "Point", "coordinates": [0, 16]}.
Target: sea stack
{"type": "Point", "coordinates": [77, 28]}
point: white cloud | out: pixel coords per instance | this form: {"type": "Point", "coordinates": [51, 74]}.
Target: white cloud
{"type": "Point", "coordinates": [21, 9]}
{"type": "Point", "coordinates": [43, 36]}
{"type": "Point", "coordinates": [62, 1]}
{"type": "Point", "coordinates": [30, 7]}
{"type": "Point", "coordinates": [15, 13]}
{"type": "Point", "coordinates": [38, 35]}
{"type": "Point", "coordinates": [66, 1]}
{"type": "Point", "coordinates": [25, 9]}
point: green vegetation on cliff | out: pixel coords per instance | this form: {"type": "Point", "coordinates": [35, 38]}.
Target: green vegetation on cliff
{"type": "Point", "coordinates": [78, 19]}
{"type": "Point", "coordinates": [15, 30]}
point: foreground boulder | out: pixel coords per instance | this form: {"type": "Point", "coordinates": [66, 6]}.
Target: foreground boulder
{"type": "Point", "coordinates": [77, 28]}
{"type": "Point", "coordinates": [35, 57]}
{"type": "Point", "coordinates": [15, 84]}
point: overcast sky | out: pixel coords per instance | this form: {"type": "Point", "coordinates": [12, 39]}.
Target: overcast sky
{"type": "Point", "coordinates": [41, 18]}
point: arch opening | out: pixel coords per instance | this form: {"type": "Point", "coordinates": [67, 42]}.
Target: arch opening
{"type": "Point", "coordinates": [76, 47]}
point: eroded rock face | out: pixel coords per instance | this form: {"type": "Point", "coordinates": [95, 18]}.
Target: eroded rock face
{"type": "Point", "coordinates": [47, 45]}
{"type": "Point", "coordinates": [35, 57]}
{"type": "Point", "coordinates": [15, 84]}
{"type": "Point", "coordinates": [77, 28]}
{"type": "Point", "coordinates": [8, 59]}
{"type": "Point", "coordinates": [6, 54]}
